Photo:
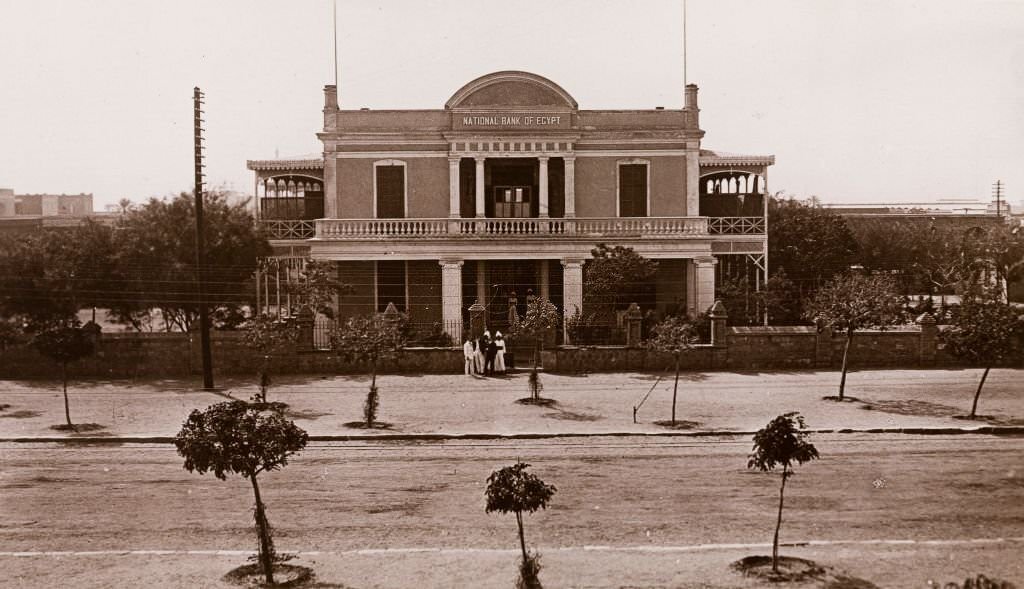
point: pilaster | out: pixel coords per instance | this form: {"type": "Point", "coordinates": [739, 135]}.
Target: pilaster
{"type": "Point", "coordinates": [454, 198]}
{"type": "Point", "coordinates": [480, 197]}
{"type": "Point", "coordinates": [451, 298]}
{"type": "Point", "coordinates": [572, 290]}
{"type": "Point", "coordinates": [705, 282]}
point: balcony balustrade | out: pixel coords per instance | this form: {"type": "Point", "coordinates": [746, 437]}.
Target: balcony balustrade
{"type": "Point", "coordinates": [444, 228]}
{"type": "Point", "coordinates": [342, 229]}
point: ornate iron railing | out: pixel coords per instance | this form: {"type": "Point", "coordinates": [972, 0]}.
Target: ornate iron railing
{"type": "Point", "coordinates": [289, 228]}
{"type": "Point", "coordinates": [736, 225]}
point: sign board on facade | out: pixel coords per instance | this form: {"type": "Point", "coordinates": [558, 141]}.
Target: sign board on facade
{"type": "Point", "coordinates": [512, 120]}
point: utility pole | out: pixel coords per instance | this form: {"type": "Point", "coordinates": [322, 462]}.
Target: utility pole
{"type": "Point", "coordinates": [204, 318]}
{"type": "Point", "coordinates": [997, 191]}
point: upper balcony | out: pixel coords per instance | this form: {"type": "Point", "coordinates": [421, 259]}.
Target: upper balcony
{"type": "Point", "coordinates": [519, 228]}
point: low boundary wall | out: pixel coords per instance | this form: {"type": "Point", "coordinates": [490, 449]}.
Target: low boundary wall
{"type": "Point", "coordinates": [154, 355]}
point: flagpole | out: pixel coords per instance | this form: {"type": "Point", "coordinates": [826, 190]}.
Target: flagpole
{"type": "Point", "coordinates": [335, 22]}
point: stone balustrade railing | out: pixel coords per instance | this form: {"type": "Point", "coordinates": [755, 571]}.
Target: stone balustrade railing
{"type": "Point", "coordinates": [343, 229]}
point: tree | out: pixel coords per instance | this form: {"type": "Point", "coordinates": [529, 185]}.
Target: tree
{"type": "Point", "coordinates": [810, 243]}
{"type": "Point", "coordinates": [235, 437]}
{"type": "Point", "coordinates": [541, 317]}
{"type": "Point", "coordinates": [65, 344]}
{"type": "Point", "coordinates": [514, 490]}
{"type": "Point", "coordinates": [371, 339]}
{"type": "Point", "coordinates": [46, 277]}
{"type": "Point", "coordinates": [782, 441]}
{"type": "Point", "coordinates": [985, 333]}
{"type": "Point", "coordinates": [269, 337]}
{"type": "Point", "coordinates": [612, 279]}
{"type": "Point", "coordinates": [855, 302]}
{"type": "Point", "coordinates": [675, 335]}
{"type": "Point", "coordinates": [157, 255]}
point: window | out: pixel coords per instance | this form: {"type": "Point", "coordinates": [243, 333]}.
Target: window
{"type": "Point", "coordinates": [389, 188]}
{"type": "Point", "coordinates": [512, 202]}
{"type": "Point", "coordinates": [390, 284]}
{"type": "Point", "coordinates": [633, 189]}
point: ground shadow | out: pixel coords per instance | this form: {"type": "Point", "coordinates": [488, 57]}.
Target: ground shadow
{"type": "Point", "coordinates": [845, 399]}
{"type": "Point", "coordinates": [310, 414]}
{"type": "Point", "coordinates": [565, 415]}
{"type": "Point", "coordinates": [680, 424]}
{"type": "Point", "coordinates": [798, 571]}
{"type": "Point", "coordinates": [285, 575]}
{"type": "Point", "coordinates": [362, 425]}
{"type": "Point", "coordinates": [540, 401]}
{"type": "Point", "coordinates": [910, 407]}
{"type": "Point", "coordinates": [20, 414]}
{"type": "Point", "coordinates": [80, 428]}
{"type": "Point", "coordinates": [989, 419]}
{"type": "Point", "coordinates": [670, 377]}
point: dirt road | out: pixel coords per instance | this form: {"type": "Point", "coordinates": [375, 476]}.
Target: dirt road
{"type": "Point", "coordinates": [619, 501]}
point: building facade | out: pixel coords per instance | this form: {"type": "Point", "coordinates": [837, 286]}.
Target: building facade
{"type": "Point", "coordinates": [502, 194]}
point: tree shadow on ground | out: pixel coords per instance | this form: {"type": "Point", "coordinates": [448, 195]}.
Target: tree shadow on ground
{"type": "Point", "coordinates": [680, 424]}
{"type": "Point", "coordinates": [20, 414]}
{"type": "Point", "coordinates": [566, 415]}
{"type": "Point", "coordinates": [670, 376]}
{"type": "Point", "coordinates": [989, 419]}
{"type": "Point", "coordinates": [539, 402]}
{"type": "Point", "coordinates": [800, 571]}
{"type": "Point", "coordinates": [376, 425]}
{"type": "Point", "coordinates": [91, 429]}
{"type": "Point", "coordinates": [309, 414]}
{"type": "Point", "coordinates": [910, 407]}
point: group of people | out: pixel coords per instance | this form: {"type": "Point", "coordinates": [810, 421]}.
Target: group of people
{"type": "Point", "coordinates": [485, 355]}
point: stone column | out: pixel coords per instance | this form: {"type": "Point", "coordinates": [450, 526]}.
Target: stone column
{"type": "Point", "coordinates": [480, 197]}
{"type": "Point", "coordinates": [570, 186]}
{"type": "Point", "coordinates": [929, 338]}
{"type": "Point", "coordinates": [705, 283]}
{"type": "Point", "coordinates": [481, 282]}
{"type": "Point", "coordinates": [693, 179]}
{"type": "Point", "coordinates": [330, 185]}
{"type": "Point", "coordinates": [572, 291]}
{"type": "Point", "coordinates": [691, 288]}
{"type": "Point", "coordinates": [451, 298]}
{"type": "Point", "coordinates": [545, 288]}
{"type": "Point", "coordinates": [454, 198]}
{"type": "Point", "coordinates": [543, 197]}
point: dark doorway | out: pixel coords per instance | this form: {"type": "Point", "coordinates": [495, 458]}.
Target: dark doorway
{"type": "Point", "coordinates": [512, 187]}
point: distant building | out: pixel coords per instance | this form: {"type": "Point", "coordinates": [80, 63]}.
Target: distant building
{"type": "Point", "coordinates": [25, 213]}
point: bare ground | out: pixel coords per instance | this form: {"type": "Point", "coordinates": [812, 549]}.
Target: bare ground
{"type": "Point", "coordinates": [595, 403]}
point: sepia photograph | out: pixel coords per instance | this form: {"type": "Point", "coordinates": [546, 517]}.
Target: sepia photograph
{"type": "Point", "coordinates": [512, 294]}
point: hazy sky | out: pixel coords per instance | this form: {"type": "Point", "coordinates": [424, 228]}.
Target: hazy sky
{"type": "Point", "coordinates": [858, 100]}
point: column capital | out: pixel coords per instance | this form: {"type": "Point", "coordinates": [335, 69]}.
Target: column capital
{"type": "Point", "coordinates": [705, 261]}
{"type": "Point", "coordinates": [569, 158]}
{"type": "Point", "coordinates": [454, 159]}
{"type": "Point", "coordinates": [543, 158]}
{"type": "Point", "coordinates": [480, 159]}
{"type": "Point", "coordinates": [451, 262]}
{"type": "Point", "coordinates": [566, 262]}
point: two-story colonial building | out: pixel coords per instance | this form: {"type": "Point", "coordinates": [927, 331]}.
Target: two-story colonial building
{"type": "Point", "coordinates": [503, 193]}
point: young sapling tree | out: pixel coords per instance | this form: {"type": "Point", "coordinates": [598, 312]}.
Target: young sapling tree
{"type": "Point", "coordinates": [236, 437]}
{"type": "Point", "coordinates": [514, 490]}
{"type": "Point", "coordinates": [540, 318]}
{"type": "Point", "coordinates": [65, 345]}
{"type": "Point", "coordinates": [854, 302]}
{"type": "Point", "coordinates": [783, 441]}
{"type": "Point", "coordinates": [986, 332]}
{"type": "Point", "coordinates": [371, 339]}
{"type": "Point", "coordinates": [675, 335]}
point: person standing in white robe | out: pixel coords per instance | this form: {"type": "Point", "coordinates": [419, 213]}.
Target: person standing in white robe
{"type": "Point", "coordinates": [499, 358]}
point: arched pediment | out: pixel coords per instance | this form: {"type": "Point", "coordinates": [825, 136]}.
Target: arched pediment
{"type": "Point", "coordinates": [511, 89]}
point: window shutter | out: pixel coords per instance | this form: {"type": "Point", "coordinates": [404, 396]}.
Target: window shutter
{"type": "Point", "coordinates": [390, 192]}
